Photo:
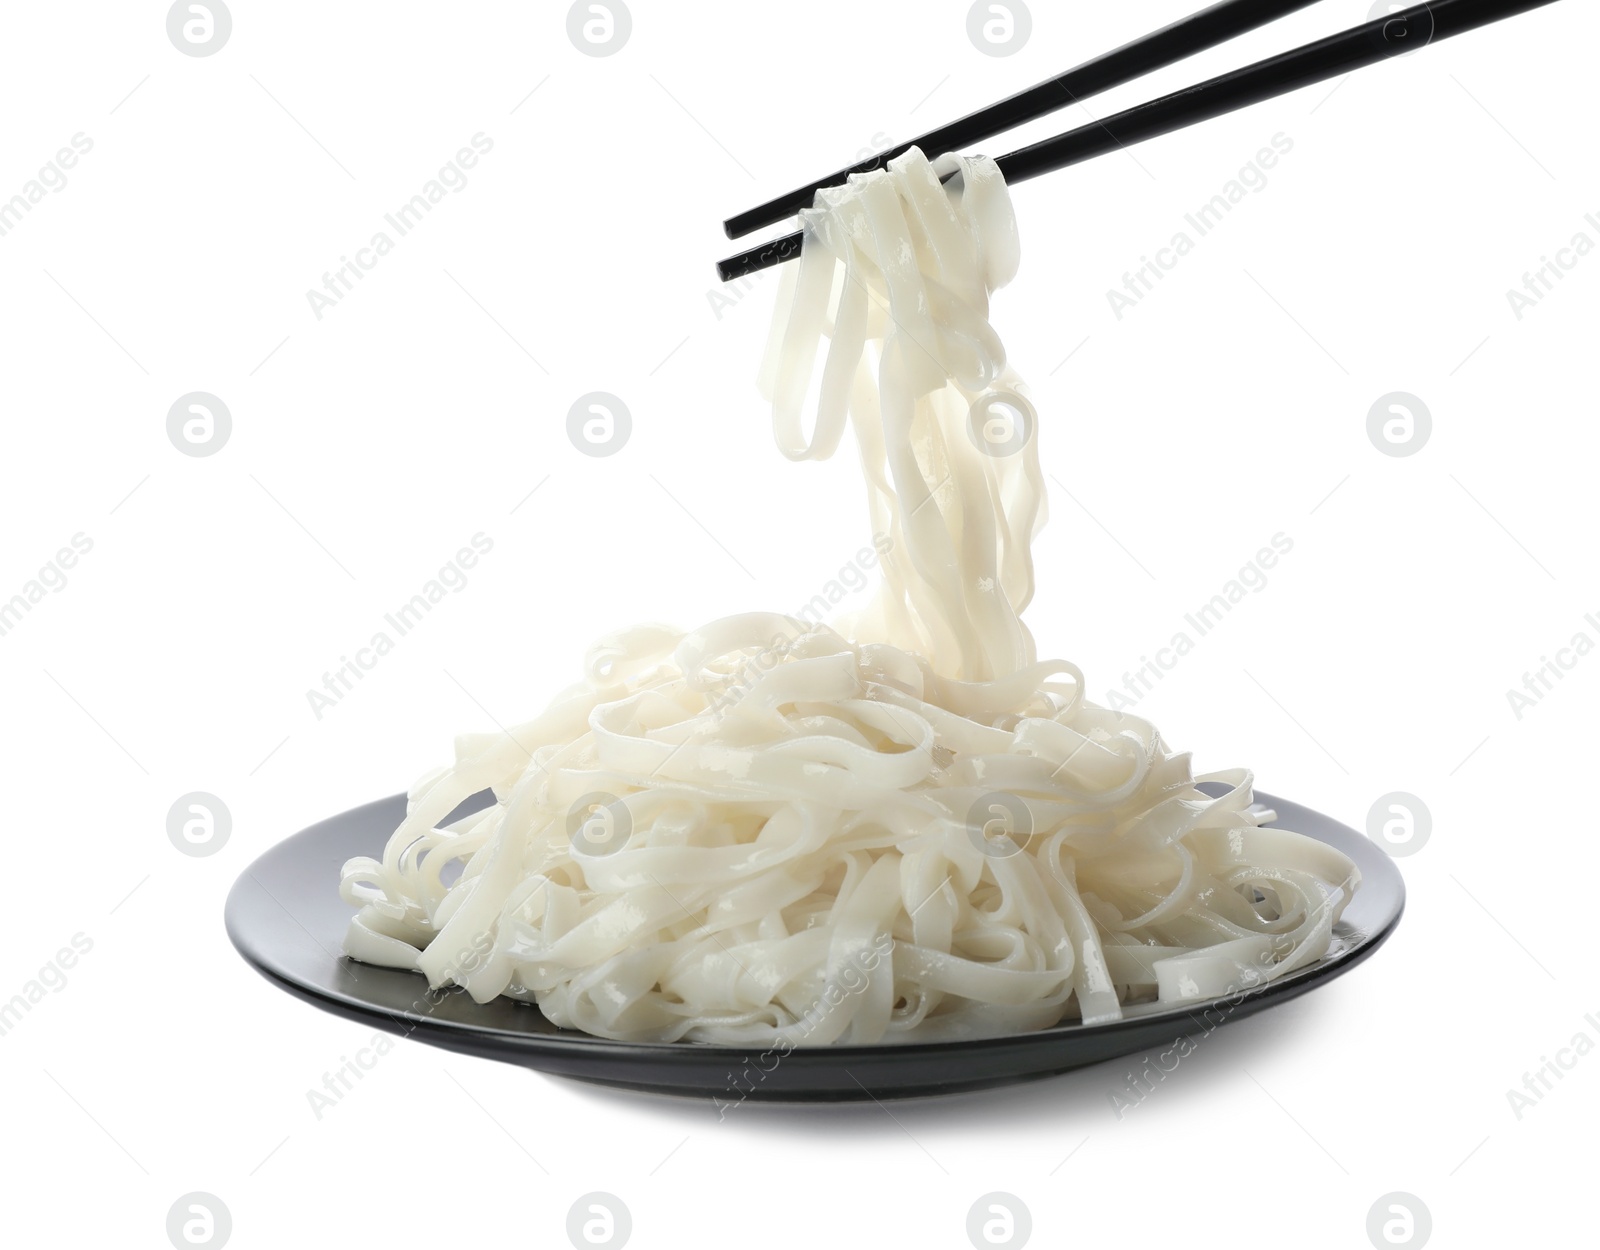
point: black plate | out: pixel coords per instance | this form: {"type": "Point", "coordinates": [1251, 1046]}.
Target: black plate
{"type": "Point", "coordinates": [286, 918]}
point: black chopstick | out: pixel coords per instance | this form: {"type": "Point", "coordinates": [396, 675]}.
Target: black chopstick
{"type": "Point", "coordinates": [1328, 58]}
{"type": "Point", "coordinates": [1184, 38]}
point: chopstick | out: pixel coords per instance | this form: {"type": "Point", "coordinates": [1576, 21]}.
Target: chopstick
{"type": "Point", "coordinates": [1184, 38]}
{"type": "Point", "coordinates": [1316, 62]}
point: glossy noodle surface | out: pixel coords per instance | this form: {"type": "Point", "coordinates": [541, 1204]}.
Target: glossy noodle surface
{"type": "Point", "coordinates": [900, 826]}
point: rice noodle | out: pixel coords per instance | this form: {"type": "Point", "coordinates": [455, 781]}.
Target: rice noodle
{"type": "Point", "coordinates": [904, 827]}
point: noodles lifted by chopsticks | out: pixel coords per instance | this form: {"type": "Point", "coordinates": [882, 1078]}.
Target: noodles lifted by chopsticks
{"type": "Point", "coordinates": [773, 832]}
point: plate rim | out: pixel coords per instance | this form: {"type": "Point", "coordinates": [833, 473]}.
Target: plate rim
{"type": "Point", "coordinates": [440, 1031]}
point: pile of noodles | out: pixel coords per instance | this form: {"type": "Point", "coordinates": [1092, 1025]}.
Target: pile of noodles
{"type": "Point", "coordinates": [766, 831]}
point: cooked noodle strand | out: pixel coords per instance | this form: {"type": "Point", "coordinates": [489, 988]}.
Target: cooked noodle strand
{"type": "Point", "coordinates": [905, 826]}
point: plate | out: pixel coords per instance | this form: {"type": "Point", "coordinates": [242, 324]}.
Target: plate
{"type": "Point", "coordinates": [286, 918]}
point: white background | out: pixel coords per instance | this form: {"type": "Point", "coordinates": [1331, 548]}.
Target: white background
{"type": "Point", "coordinates": [368, 445]}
